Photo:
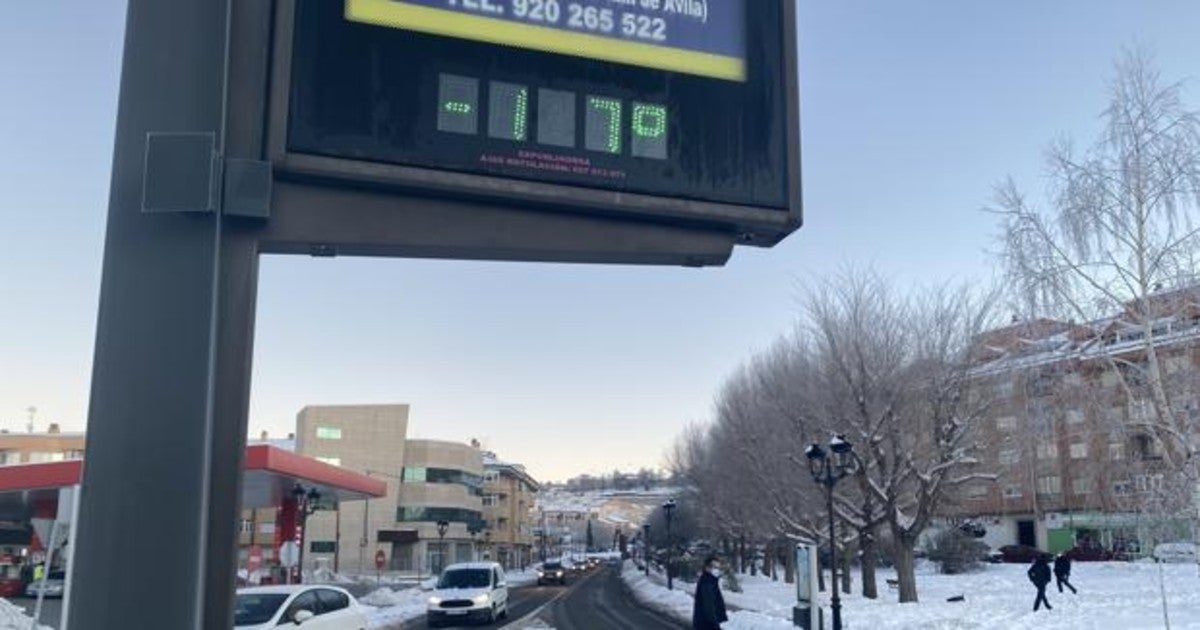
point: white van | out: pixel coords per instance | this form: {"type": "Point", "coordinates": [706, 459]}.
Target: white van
{"type": "Point", "coordinates": [473, 591]}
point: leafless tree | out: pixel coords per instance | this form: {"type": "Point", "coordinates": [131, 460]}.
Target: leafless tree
{"type": "Point", "coordinates": [1120, 234]}
{"type": "Point", "coordinates": [894, 379]}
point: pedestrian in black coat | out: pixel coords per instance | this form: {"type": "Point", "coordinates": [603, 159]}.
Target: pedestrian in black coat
{"type": "Point", "coordinates": [1039, 574]}
{"type": "Point", "coordinates": [1062, 573]}
{"type": "Point", "coordinates": [708, 613]}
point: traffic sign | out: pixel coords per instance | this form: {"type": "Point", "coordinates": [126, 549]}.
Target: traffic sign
{"type": "Point", "coordinates": [289, 554]}
{"type": "Point", "coordinates": [380, 560]}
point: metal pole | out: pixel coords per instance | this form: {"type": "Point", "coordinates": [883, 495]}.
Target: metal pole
{"type": "Point", "coordinates": [670, 583]}
{"type": "Point", "coordinates": [46, 564]}
{"type": "Point", "coordinates": [835, 603]}
{"type": "Point", "coordinates": [337, 536]}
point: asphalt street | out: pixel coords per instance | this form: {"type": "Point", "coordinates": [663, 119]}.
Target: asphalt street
{"type": "Point", "coordinates": [596, 601]}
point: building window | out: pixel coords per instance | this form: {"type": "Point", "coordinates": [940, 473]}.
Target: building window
{"type": "Point", "coordinates": [1051, 484]}
{"type": "Point", "coordinates": [977, 491]}
{"type": "Point", "coordinates": [38, 458]}
{"type": "Point", "coordinates": [1012, 492]}
{"type": "Point", "coordinates": [9, 457]}
{"type": "Point", "coordinates": [1122, 488]}
{"type": "Point", "coordinates": [246, 526]}
{"type": "Point", "coordinates": [489, 500]}
{"type": "Point", "coordinates": [332, 461]}
{"type": "Point", "coordinates": [427, 514]}
{"type": "Point", "coordinates": [1081, 486]}
{"type": "Point", "coordinates": [1079, 450]}
{"type": "Point", "coordinates": [1010, 456]}
{"type": "Point", "coordinates": [1006, 423]}
{"type": "Point", "coordinates": [1074, 416]}
{"type": "Point", "coordinates": [491, 476]}
{"type": "Point", "coordinates": [1116, 451]}
{"type": "Point", "coordinates": [322, 546]}
{"type": "Point", "coordinates": [1148, 483]}
{"type": "Point", "coordinates": [1047, 450]}
{"type": "Point", "coordinates": [441, 475]}
{"type": "Point", "coordinates": [329, 433]}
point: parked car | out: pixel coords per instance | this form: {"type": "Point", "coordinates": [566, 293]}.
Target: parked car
{"type": "Point", "coordinates": [1175, 552]}
{"type": "Point", "coordinates": [315, 607]}
{"type": "Point", "coordinates": [1019, 553]}
{"type": "Point", "coordinates": [1090, 553]}
{"type": "Point", "coordinates": [55, 584]}
{"type": "Point", "coordinates": [469, 592]}
{"type": "Point", "coordinates": [552, 573]}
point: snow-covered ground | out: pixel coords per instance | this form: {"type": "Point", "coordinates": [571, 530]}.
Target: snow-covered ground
{"type": "Point", "coordinates": [13, 617]}
{"type": "Point", "coordinates": [1111, 595]}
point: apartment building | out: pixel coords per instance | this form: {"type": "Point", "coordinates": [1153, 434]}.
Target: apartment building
{"type": "Point", "coordinates": [1068, 428]}
{"type": "Point", "coordinates": [509, 495]}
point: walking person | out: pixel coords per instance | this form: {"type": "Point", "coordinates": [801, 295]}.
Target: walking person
{"type": "Point", "coordinates": [1062, 573]}
{"type": "Point", "coordinates": [1039, 574]}
{"type": "Point", "coordinates": [708, 613]}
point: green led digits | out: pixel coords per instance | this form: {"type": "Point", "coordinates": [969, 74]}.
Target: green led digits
{"type": "Point", "coordinates": [603, 131]}
{"type": "Point", "coordinates": [456, 107]}
{"type": "Point", "coordinates": [521, 115]}
{"type": "Point", "coordinates": [649, 121]}
{"type": "Point", "coordinates": [508, 111]}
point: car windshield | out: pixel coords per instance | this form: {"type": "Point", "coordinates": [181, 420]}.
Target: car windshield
{"type": "Point", "coordinates": [552, 566]}
{"type": "Point", "coordinates": [252, 608]}
{"type": "Point", "coordinates": [466, 578]}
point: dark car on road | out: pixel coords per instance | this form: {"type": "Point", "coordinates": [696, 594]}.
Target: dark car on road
{"type": "Point", "coordinates": [1023, 554]}
{"type": "Point", "coordinates": [552, 573]}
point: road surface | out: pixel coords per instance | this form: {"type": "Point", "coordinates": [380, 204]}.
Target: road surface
{"type": "Point", "coordinates": [597, 601]}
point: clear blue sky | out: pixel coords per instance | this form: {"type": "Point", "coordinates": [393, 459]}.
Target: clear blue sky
{"type": "Point", "coordinates": [911, 111]}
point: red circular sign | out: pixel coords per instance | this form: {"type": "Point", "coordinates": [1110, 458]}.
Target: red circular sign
{"type": "Point", "coordinates": [380, 559]}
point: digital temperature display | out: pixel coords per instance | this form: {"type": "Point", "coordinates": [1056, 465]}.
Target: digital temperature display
{"type": "Point", "coordinates": [683, 99]}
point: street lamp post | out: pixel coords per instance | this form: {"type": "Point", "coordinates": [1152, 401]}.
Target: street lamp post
{"type": "Point", "coordinates": [668, 511]}
{"type": "Point", "coordinates": [442, 526]}
{"type": "Point", "coordinates": [306, 504]}
{"type": "Point", "coordinates": [827, 470]}
{"type": "Point", "coordinates": [646, 547]}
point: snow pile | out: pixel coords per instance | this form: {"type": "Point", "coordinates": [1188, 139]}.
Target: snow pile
{"type": "Point", "coordinates": [386, 608]}
{"type": "Point", "coordinates": [1111, 595]}
{"type": "Point", "coordinates": [517, 579]}
{"type": "Point", "coordinates": [13, 617]}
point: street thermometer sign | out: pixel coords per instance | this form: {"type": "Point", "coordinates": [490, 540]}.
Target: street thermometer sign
{"type": "Point", "coordinates": [683, 111]}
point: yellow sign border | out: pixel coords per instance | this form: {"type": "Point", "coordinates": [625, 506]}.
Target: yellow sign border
{"type": "Point", "coordinates": [402, 15]}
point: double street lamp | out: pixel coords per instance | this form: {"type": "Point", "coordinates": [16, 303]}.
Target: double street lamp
{"type": "Point", "coordinates": [668, 511]}
{"type": "Point", "coordinates": [307, 502]}
{"type": "Point", "coordinates": [827, 470]}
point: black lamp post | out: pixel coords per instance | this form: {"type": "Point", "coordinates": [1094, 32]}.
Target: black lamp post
{"type": "Point", "coordinates": [646, 547]}
{"type": "Point", "coordinates": [668, 511]}
{"type": "Point", "coordinates": [306, 504]}
{"type": "Point", "coordinates": [827, 470]}
{"type": "Point", "coordinates": [442, 526]}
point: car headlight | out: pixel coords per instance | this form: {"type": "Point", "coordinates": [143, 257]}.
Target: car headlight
{"type": "Point", "coordinates": [481, 598]}
{"type": "Point", "coordinates": [435, 601]}
{"type": "Point", "coordinates": [540, 574]}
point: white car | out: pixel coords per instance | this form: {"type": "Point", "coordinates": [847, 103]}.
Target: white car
{"type": "Point", "coordinates": [309, 606]}
{"type": "Point", "coordinates": [474, 591]}
{"type": "Point", "coordinates": [1175, 552]}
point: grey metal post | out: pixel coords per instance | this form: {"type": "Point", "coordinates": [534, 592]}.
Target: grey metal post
{"type": "Point", "coordinates": [166, 434]}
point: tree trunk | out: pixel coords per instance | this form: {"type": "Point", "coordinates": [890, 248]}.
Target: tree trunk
{"type": "Point", "coordinates": [906, 569]}
{"type": "Point", "coordinates": [820, 571]}
{"type": "Point", "coordinates": [847, 581]}
{"type": "Point", "coordinates": [789, 566]}
{"type": "Point", "coordinates": [870, 557]}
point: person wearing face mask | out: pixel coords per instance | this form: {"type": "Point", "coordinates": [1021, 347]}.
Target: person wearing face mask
{"type": "Point", "coordinates": [709, 610]}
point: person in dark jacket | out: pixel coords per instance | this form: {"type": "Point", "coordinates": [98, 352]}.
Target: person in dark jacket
{"type": "Point", "coordinates": [709, 610]}
{"type": "Point", "coordinates": [1039, 574]}
{"type": "Point", "coordinates": [1062, 573]}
